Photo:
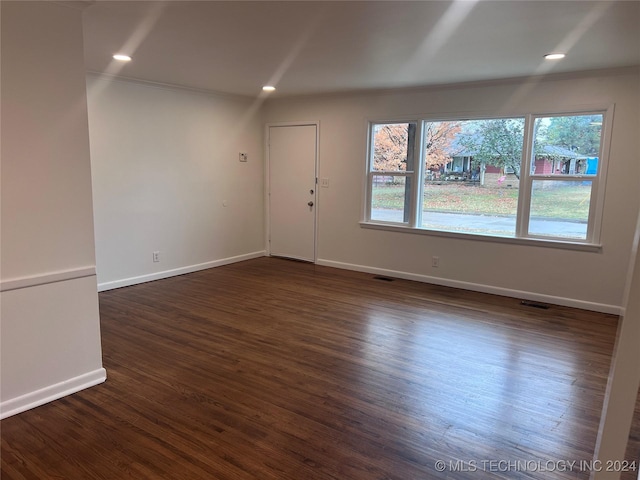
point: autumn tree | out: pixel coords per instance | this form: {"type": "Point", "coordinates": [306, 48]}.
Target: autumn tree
{"type": "Point", "coordinates": [439, 137]}
{"type": "Point", "coordinates": [392, 146]}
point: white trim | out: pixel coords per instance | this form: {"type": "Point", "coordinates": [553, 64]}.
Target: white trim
{"type": "Point", "coordinates": [477, 287]}
{"type": "Point", "coordinates": [368, 187]}
{"type": "Point", "coordinates": [43, 279]}
{"type": "Point", "coordinates": [528, 241]}
{"type": "Point", "coordinates": [524, 201]}
{"type": "Point", "coordinates": [292, 124]}
{"type": "Point", "coordinates": [52, 392]}
{"type": "Point", "coordinates": [599, 187]}
{"type": "Point", "coordinates": [418, 180]}
{"type": "Point", "coordinates": [126, 282]}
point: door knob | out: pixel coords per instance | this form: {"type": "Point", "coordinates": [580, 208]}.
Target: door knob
{"type": "Point", "coordinates": [310, 204]}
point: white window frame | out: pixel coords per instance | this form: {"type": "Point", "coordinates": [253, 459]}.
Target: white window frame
{"type": "Point", "coordinates": [596, 204]}
{"type": "Point", "coordinates": [594, 225]}
{"type": "Point", "coordinates": [415, 174]}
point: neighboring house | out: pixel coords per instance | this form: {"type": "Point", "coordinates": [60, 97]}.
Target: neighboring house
{"type": "Point", "coordinates": [550, 160]}
{"type": "Point", "coordinates": [553, 160]}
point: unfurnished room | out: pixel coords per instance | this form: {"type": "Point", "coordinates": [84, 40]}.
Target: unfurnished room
{"type": "Point", "coordinates": [347, 240]}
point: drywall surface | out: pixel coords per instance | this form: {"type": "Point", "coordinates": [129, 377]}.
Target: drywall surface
{"type": "Point", "coordinates": [50, 339]}
{"type": "Point", "coordinates": [585, 279]}
{"type": "Point", "coordinates": [50, 343]}
{"type": "Point", "coordinates": [46, 177]}
{"type": "Point", "coordinates": [624, 379]}
{"type": "Point", "coordinates": [167, 178]}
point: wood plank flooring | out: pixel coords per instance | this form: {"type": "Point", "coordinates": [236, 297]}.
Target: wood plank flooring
{"type": "Point", "coordinates": [273, 369]}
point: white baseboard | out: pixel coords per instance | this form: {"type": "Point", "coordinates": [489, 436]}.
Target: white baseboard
{"type": "Point", "coordinates": [126, 282]}
{"type": "Point", "coordinates": [52, 392]}
{"type": "Point", "coordinates": [477, 287]}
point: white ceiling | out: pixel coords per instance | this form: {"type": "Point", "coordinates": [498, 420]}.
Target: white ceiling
{"type": "Point", "coordinates": [319, 46]}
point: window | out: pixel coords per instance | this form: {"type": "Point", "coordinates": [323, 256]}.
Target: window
{"type": "Point", "coordinates": [471, 190]}
{"type": "Point", "coordinates": [392, 171]}
{"type": "Point", "coordinates": [564, 171]}
{"type": "Point", "coordinates": [534, 176]}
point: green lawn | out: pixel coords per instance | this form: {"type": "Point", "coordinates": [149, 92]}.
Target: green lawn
{"type": "Point", "coordinates": [561, 201]}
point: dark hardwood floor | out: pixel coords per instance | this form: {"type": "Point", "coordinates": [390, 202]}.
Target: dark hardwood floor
{"type": "Point", "coordinates": [273, 369]}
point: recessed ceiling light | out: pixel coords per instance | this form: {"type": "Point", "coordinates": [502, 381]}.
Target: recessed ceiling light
{"type": "Point", "coordinates": [122, 58]}
{"type": "Point", "coordinates": [268, 88]}
{"type": "Point", "coordinates": [554, 56]}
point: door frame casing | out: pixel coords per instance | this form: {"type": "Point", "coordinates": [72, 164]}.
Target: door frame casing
{"type": "Point", "coordinates": [267, 182]}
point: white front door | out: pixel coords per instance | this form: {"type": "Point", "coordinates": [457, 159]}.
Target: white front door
{"type": "Point", "coordinates": [292, 191]}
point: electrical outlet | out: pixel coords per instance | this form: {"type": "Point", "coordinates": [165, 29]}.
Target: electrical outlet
{"type": "Point", "coordinates": [243, 157]}
{"type": "Point", "coordinates": [435, 262]}
{"type": "Point", "coordinates": [324, 182]}
{"type": "Point", "coordinates": [156, 257]}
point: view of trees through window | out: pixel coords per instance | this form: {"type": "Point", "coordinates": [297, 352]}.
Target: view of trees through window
{"type": "Point", "coordinates": [472, 174]}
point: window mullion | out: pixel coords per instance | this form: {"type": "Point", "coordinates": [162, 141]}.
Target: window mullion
{"type": "Point", "coordinates": [524, 196]}
{"type": "Point", "coordinates": [370, 173]}
{"type": "Point", "coordinates": [418, 177]}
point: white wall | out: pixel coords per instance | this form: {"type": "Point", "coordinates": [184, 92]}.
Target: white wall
{"type": "Point", "coordinates": [50, 337]}
{"type": "Point", "coordinates": [578, 278]}
{"type": "Point", "coordinates": [165, 163]}
{"type": "Point", "coordinates": [624, 377]}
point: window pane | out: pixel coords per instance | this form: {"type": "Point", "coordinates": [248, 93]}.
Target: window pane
{"type": "Point", "coordinates": [390, 198]}
{"type": "Point", "coordinates": [473, 175]}
{"type": "Point", "coordinates": [393, 145]}
{"type": "Point", "coordinates": [560, 209]}
{"type": "Point", "coordinates": [567, 145]}
{"type": "Point", "coordinates": [459, 207]}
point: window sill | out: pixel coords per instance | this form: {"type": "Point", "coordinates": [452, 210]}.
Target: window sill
{"type": "Point", "coordinates": [533, 242]}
